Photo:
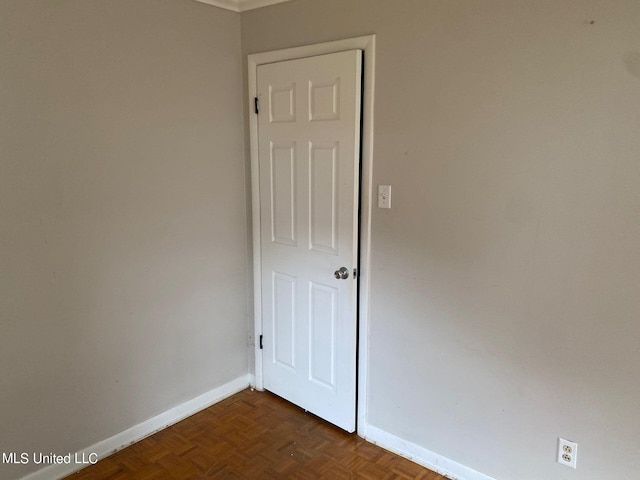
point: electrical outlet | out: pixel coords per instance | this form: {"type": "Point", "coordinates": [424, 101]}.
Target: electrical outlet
{"type": "Point", "coordinates": [567, 453]}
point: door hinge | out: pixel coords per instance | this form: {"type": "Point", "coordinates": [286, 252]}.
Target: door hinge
{"type": "Point", "coordinates": [256, 107]}
{"type": "Point", "coordinates": [261, 342]}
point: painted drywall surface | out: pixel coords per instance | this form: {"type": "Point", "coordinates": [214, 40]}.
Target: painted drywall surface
{"type": "Point", "coordinates": [122, 216]}
{"type": "Point", "coordinates": [506, 276]}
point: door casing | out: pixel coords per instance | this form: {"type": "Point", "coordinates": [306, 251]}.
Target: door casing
{"type": "Point", "coordinates": [367, 44]}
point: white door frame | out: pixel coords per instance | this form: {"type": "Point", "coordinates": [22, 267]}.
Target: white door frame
{"type": "Point", "coordinates": [367, 44]}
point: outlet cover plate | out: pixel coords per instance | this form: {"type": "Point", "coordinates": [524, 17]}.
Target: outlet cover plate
{"type": "Point", "coordinates": [567, 453]}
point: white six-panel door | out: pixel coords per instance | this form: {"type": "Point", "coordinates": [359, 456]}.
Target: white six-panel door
{"type": "Point", "coordinates": [308, 149]}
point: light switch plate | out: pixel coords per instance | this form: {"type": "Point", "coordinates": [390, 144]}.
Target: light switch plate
{"type": "Point", "coordinates": [384, 196]}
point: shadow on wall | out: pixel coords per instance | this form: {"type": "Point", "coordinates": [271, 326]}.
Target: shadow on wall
{"type": "Point", "coordinates": [632, 63]}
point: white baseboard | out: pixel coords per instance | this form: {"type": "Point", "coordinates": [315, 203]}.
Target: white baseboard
{"type": "Point", "coordinates": [422, 456]}
{"type": "Point", "coordinates": [144, 429]}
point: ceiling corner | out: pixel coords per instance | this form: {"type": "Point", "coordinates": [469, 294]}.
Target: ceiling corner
{"type": "Point", "coordinates": [241, 5]}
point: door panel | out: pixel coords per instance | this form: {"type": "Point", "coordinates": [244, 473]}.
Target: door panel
{"type": "Point", "coordinates": [284, 328]}
{"type": "Point", "coordinates": [323, 315]}
{"type": "Point", "coordinates": [283, 198]}
{"type": "Point", "coordinates": [308, 149]}
{"type": "Point", "coordinates": [323, 196]}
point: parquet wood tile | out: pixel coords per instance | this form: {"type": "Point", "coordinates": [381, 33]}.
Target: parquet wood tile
{"type": "Point", "coordinates": [257, 436]}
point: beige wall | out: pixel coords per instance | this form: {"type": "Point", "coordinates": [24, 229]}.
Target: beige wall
{"type": "Point", "coordinates": [505, 287]}
{"type": "Point", "coordinates": [122, 215]}
{"type": "Point", "coordinates": [505, 279]}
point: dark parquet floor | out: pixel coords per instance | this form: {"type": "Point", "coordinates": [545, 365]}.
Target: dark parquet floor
{"type": "Point", "coordinates": [254, 435]}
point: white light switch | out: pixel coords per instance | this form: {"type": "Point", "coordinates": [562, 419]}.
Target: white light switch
{"type": "Point", "coordinates": [384, 196]}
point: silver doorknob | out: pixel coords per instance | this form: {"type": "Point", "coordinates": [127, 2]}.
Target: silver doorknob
{"type": "Point", "coordinates": [342, 273]}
